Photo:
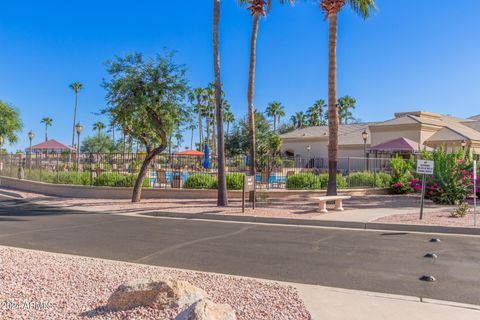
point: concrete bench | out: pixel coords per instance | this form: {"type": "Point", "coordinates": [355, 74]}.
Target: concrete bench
{"type": "Point", "coordinates": [338, 202]}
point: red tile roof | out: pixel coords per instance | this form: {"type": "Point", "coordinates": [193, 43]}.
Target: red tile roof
{"type": "Point", "coordinates": [51, 145]}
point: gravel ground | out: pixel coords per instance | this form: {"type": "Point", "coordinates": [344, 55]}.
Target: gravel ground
{"type": "Point", "coordinates": [441, 218]}
{"type": "Point", "coordinates": [40, 285]}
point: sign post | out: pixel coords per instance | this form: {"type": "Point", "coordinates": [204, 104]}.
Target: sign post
{"type": "Point", "coordinates": [424, 167]}
{"type": "Point", "coordinates": [248, 186]}
{"type": "Point", "coordinates": [475, 193]}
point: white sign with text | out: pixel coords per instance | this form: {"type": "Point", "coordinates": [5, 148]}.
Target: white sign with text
{"type": "Point", "coordinates": [425, 167]}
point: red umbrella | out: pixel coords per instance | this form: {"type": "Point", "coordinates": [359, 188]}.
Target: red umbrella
{"type": "Point", "coordinates": [191, 153]}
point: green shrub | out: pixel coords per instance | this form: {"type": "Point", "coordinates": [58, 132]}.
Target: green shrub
{"type": "Point", "coordinates": [235, 181]}
{"type": "Point", "coordinates": [114, 179]}
{"type": "Point", "coordinates": [309, 181]}
{"type": "Point", "coordinates": [369, 179]}
{"type": "Point", "coordinates": [304, 181]}
{"type": "Point", "coordinates": [200, 181]}
{"type": "Point", "coordinates": [383, 180]}
{"type": "Point", "coordinates": [401, 174]}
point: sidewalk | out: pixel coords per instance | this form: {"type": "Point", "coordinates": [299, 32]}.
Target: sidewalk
{"type": "Point", "coordinates": [342, 304]}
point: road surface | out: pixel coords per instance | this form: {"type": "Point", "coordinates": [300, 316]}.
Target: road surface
{"type": "Point", "coordinates": [389, 262]}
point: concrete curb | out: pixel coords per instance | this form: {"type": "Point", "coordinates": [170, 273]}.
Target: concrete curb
{"type": "Point", "coordinates": [320, 223]}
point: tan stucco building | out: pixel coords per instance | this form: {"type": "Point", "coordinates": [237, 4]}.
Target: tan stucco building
{"type": "Point", "coordinates": [419, 129]}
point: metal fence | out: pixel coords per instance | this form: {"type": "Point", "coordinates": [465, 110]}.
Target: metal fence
{"type": "Point", "coordinates": [173, 171]}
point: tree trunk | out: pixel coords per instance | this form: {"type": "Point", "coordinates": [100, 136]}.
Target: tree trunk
{"type": "Point", "coordinates": [332, 106]}
{"type": "Point", "coordinates": [191, 140]}
{"type": "Point", "coordinates": [274, 122]}
{"type": "Point", "coordinates": [74, 117]}
{"type": "Point", "coordinates": [222, 197]}
{"type": "Point", "coordinates": [46, 134]}
{"type": "Point", "coordinates": [200, 129]}
{"type": "Point", "coordinates": [137, 189]}
{"type": "Point", "coordinates": [251, 94]}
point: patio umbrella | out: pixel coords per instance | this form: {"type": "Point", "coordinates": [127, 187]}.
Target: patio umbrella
{"type": "Point", "coordinates": [206, 162]}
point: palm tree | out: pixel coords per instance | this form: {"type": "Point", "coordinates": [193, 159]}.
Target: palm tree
{"type": "Point", "coordinates": [199, 95]}
{"type": "Point", "coordinates": [76, 86]}
{"type": "Point", "coordinates": [257, 8]}
{"type": "Point", "coordinates": [331, 8]}
{"type": "Point", "coordinates": [275, 110]}
{"type": "Point", "coordinates": [298, 120]}
{"type": "Point", "coordinates": [228, 118]}
{"type": "Point", "coordinates": [345, 104]}
{"type": "Point", "coordinates": [320, 107]}
{"type": "Point", "coordinates": [98, 126]}
{"type": "Point", "coordinates": [48, 123]}
{"type": "Point", "coordinates": [222, 196]}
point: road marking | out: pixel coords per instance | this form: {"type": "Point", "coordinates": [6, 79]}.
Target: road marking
{"type": "Point", "coordinates": [188, 243]}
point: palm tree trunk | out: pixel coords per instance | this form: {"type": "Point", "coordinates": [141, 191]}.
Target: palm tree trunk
{"type": "Point", "coordinates": [274, 122]}
{"type": "Point", "coordinates": [46, 133]}
{"type": "Point", "coordinates": [191, 139]}
{"type": "Point", "coordinates": [222, 196]}
{"type": "Point", "coordinates": [332, 105]}
{"type": "Point", "coordinates": [228, 129]}
{"type": "Point", "coordinates": [74, 117]}
{"type": "Point", "coordinates": [251, 94]}
{"type": "Point", "coordinates": [200, 129]}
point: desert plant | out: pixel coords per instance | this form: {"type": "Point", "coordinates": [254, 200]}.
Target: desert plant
{"type": "Point", "coordinates": [461, 211]}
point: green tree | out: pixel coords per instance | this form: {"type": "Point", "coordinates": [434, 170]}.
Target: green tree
{"type": "Point", "coordinates": [315, 113]}
{"type": "Point", "coordinates": [298, 120]}
{"type": "Point", "coordinates": [238, 141]}
{"type": "Point", "coordinates": [199, 97]}
{"type": "Point", "coordinates": [331, 8]}
{"type": "Point", "coordinates": [275, 110]}
{"type": "Point", "coordinates": [10, 124]}
{"type": "Point", "coordinates": [48, 123]}
{"type": "Point", "coordinates": [98, 126]}
{"type": "Point", "coordinates": [345, 104]}
{"type": "Point", "coordinates": [76, 87]}
{"type": "Point", "coordinates": [257, 8]}
{"type": "Point", "coordinates": [228, 118]}
{"type": "Point", "coordinates": [99, 143]}
{"type": "Point", "coordinates": [146, 98]}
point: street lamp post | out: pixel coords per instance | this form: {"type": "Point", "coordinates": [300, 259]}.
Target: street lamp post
{"type": "Point", "coordinates": [79, 129]}
{"type": "Point", "coordinates": [31, 135]}
{"type": "Point", "coordinates": [309, 148]}
{"type": "Point", "coordinates": [365, 138]}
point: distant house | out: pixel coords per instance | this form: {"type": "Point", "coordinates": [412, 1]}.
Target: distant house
{"type": "Point", "coordinates": [406, 133]}
{"type": "Point", "coordinates": [50, 146]}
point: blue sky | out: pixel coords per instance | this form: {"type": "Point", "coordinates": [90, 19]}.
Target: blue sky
{"type": "Point", "coordinates": [410, 55]}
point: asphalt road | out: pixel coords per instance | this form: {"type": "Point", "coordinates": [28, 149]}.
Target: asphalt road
{"type": "Point", "coordinates": [386, 262]}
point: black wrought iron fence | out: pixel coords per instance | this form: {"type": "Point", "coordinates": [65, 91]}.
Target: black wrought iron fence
{"type": "Point", "coordinates": [177, 171]}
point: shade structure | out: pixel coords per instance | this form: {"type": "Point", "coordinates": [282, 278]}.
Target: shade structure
{"type": "Point", "coordinates": [190, 153]}
{"type": "Point", "coordinates": [206, 162]}
{"type": "Point", "coordinates": [399, 145]}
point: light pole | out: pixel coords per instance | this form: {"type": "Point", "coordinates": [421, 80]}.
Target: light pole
{"type": "Point", "coordinates": [79, 129]}
{"type": "Point", "coordinates": [31, 135]}
{"type": "Point", "coordinates": [309, 148]}
{"type": "Point", "coordinates": [365, 138]}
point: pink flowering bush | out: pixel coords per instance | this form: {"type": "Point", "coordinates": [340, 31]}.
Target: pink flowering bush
{"type": "Point", "coordinates": [452, 181]}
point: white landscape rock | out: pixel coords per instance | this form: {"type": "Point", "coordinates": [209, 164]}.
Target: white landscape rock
{"type": "Point", "coordinates": [207, 310]}
{"type": "Point", "coordinates": [156, 294]}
